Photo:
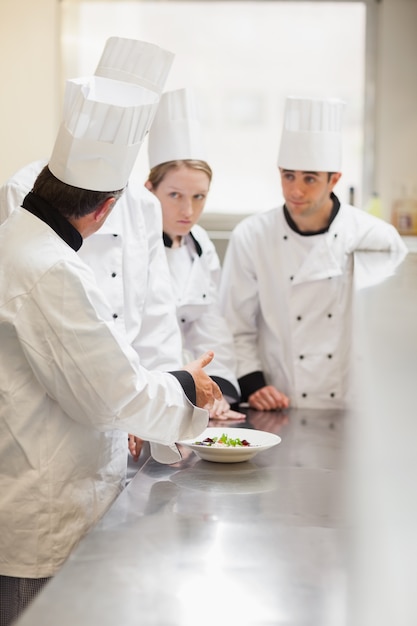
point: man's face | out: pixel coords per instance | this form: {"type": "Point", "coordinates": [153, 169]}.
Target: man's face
{"type": "Point", "coordinates": [307, 194]}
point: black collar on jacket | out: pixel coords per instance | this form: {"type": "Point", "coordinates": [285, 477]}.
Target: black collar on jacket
{"type": "Point", "coordinates": [309, 233]}
{"type": "Point", "coordinates": [45, 212]}
{"type": "Point", "coordinates": [168, 242]}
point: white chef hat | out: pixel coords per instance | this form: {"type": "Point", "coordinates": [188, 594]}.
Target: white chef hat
{"type": "Point", "coordinates": [312, 135]}
{"type": "Point", "coordinates": [133, 61]}
{"type": "Point", "coordinates": [176, 132]}
{"type": "Point", "coordinates": [104, 124]}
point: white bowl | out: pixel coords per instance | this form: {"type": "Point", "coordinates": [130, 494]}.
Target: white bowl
{"type": "Point", "coordinates": [259, 440]}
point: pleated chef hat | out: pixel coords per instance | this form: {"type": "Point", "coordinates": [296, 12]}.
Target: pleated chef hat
{"type": "Point", "coordinates": [312, 135]}
{"type": "Point", "coordinates": [176, 132]}
{"type": "Point", "coordinates": [133, 61]}
{"type": "Point", "coordinates": [103, 127]}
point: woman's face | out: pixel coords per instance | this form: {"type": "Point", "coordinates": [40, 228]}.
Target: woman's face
{"type": "Point", "coordinates": [182, 194]}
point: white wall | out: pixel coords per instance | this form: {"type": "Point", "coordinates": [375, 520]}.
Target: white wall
{"type": "Point", "coordinates": [396, 101]}
{"type": "Point", "coordinates": [28, 68]}
{"type": "Point", "coordinates": [31, 88]}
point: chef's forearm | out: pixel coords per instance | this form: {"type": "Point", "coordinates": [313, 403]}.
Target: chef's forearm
{"type": "Point", "coordinates": [187, 383]}
{"type": "Point", "coordinates": [251, 383]}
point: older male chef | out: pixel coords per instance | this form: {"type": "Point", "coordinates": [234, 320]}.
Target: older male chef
{"type": "Point", "coordinates": [67, 375]}
{"type": "Point", "coordinates": [288, 274]}
{"type": "Point", "coordinates": [127, 254]}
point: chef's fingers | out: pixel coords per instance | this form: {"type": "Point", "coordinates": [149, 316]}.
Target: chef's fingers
{"type": "Point", "coordinates": [258, 403]}
{"type": "Point", "coordinates": [229, 415]}
{"type": "Point", "coordinates": [131, 444]}
{"type": "Point", "coordinates": [268, 398]}
{"type": "Point", "coordinates": [135, 445]}
{"type": "Point", "coordinates": [205, 358]}
{"type": "Point", "coordinates": [219, 407]}
{"type": "Point", "coordinates": [275, 397]}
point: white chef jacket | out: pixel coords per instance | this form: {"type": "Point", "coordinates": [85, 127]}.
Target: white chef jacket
{"type": "Point", "coordinates": [288, 300]}
{"type": "Point", "coordinates": [195, 273]}
{"type": "Point", "coordinates": [67, 375]}
{"type": "Point", "coordinates": [129, 262]}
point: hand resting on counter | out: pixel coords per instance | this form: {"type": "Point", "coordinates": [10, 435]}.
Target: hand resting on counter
{"type": "Point", "coordinates": [221, 411]}
{"type": "Point", "coordinates": [268, 398]}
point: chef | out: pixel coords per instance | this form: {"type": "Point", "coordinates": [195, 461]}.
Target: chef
{"type": "Point", "coordinates": [180, 178]}
{"type": "Point", "coordinates": [288, 273]}
{"type": "Point", "coordinates": [68, 376]}
{"type": "Point", "coordinates": [127, 254]}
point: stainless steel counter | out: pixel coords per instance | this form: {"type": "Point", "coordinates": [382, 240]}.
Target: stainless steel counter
{"type": "Point", "coordinates": [252, 543]}
{"type": "Point", "coordinates": [265, 542]}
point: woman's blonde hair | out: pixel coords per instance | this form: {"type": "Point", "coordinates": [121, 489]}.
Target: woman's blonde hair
{"type": "Point", "coordinates": [157, 173]}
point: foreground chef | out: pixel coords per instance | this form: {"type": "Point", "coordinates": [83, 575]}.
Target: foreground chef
{"type": "Point", "coordinates": [180, 178]}
{"type": "Point", "coordinates": [67, 375]}
{"type": "Point", "coordinates": [288, 273]}
{"type": "Point", "coordinates": [127, 254]}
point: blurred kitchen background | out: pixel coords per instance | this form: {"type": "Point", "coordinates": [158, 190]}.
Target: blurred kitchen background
{"type": "Point", "coordinates": [243, 58]}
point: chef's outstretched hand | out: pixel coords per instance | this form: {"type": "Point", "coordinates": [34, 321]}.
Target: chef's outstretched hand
{"type": "Point", "coordinates": [207, 391]}
{"type": "Point", "coordinates": [268, 398]}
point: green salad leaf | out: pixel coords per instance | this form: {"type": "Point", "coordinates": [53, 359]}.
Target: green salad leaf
{"type": "Point", "coordinates": [225, 440]}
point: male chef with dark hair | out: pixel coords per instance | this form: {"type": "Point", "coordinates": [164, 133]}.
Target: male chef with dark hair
{"type": "Point", "coordinates": [68, 376]}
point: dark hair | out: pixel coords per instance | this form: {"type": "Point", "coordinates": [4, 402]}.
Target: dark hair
{"type": "Point", "coordinates": [68, 200]}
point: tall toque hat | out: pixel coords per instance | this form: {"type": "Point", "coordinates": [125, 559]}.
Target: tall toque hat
{"type": "Point", "coordinates": [176, 132]}
{"type": "Point", "coordinates": [312, 135]}
{"type": "Point", "coordinates": [137, 62]}
{"type": "Point", "coordinates": [103, 127]}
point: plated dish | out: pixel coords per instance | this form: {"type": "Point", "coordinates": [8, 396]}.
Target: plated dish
{"type": "Point", "coordinates": [258, 441]}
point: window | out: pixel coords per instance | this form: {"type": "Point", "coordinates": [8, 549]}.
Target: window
{"type": "Point", "coordinates": [242, 58]}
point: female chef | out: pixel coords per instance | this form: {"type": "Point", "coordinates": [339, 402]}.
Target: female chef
{"type": "Point", "coordinates": [180, 178]}
{"type": "Point", "coordinates": [293, 334]}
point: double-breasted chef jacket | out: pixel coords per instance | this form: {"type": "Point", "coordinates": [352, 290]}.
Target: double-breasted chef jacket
{"type": "Point", "coordinates": [129, 262]}
{"type": "Point", "coordinates": [195, 272]}
{"type": "Point", "coordinates": [71, 388]}
{"type": "Point", "coordinates": [288, 300]}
